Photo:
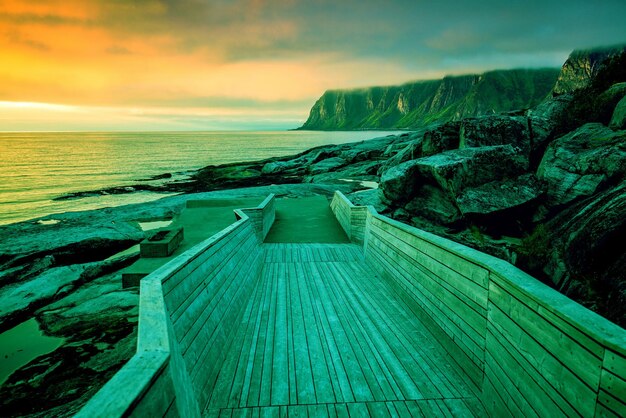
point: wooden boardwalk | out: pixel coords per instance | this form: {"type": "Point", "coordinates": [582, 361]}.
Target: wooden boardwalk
{"type": "Point", "coordinates": [322, 335]}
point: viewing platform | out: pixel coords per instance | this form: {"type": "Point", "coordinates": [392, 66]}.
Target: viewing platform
{"type": "Point", "coordinates": [338, 311]}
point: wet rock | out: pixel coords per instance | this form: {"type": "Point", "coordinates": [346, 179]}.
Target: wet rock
{"type": "Point", "coordinates": [278, 167]}
{"type": "Point", "coordinates": [81, 241]}
{"type": "Point", "coordinates": [369, 197]}
{"type": "Point", "coordinates": [451, 171]}
{"type": "Point", "coordinates": [580, 163]}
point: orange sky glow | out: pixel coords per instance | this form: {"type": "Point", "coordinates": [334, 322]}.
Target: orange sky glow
{"type": "Point", "coordinates": [189, 64]}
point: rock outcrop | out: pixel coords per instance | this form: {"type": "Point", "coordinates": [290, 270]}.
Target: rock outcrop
{"type": "Point", "coordinates": [417, 104]}
{"type": "Point", "coordinates": [580, 163]}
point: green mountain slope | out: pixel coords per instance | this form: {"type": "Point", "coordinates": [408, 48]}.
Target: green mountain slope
{"type": "Point", "coordinates": [417, 103]}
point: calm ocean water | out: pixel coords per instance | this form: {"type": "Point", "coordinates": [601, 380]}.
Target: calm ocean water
{"type": "Point", "coordinates": [37, 167]}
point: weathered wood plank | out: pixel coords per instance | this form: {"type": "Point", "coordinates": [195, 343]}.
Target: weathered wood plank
{"type": "Point", "coordinates": [476, 293]}
{"type": "Point", "coordinates": [257, 368]}
{"type": "Point", "coordinates": [348, 361]}
{"type": "Point", "coordinates": [447, 292]}
{"type": "Point", "coordinates": [371, 342]}
{"type": "Point", "coordinates": [366, 363]}
{"type": "Point", "coordinates": [304, 373]}
{"type": "Point", "coordinates": [339, 378]}
{"type": "Point", "coordinates": [266, 376]}
{"type": "Point", "coordinates": [528, 383]}
{"type": "Point", "coordinates": [547, 337]}
{"type": "Point", "coordinates": [249, 327]}
{"type": "Point", "coordinates": [472, 271]}
{"type": "Point", "coordinates": [325, 341]}
{"type": "Point", "coordinates": [392, 320]}
{"type": "Point", "coordinates": [253, 367]}
{"type": "Point", "coordinates": [323, 386]}
{"type": "Point", "coordinates": [442, 316]}
{"type": "Point", "coordinates": [280, 372]}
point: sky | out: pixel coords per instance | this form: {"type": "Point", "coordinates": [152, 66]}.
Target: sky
{"type": "Point", "coordinates": [260, 64]}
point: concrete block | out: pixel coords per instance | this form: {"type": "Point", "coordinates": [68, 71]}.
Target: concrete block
{"type": "Point", "coordinates": [162, 243]}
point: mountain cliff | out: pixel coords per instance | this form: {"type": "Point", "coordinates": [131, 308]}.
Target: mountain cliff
{"type": "Point", "coordinates": [582, 66]}
{"type": "Point", "coordinates": [418, 103]}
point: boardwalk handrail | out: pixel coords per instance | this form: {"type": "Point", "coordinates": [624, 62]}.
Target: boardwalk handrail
{"type": "Point", "coordinates": [529, 349]}
{"type": "Point", "coordinates": [155, 379]}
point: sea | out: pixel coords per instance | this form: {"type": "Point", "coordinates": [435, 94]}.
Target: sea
{"type": "Point", "coordinates": [36, 167]}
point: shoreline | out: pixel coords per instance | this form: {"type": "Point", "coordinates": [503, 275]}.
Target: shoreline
{"type": "Point", "coordinates": [107, 171]}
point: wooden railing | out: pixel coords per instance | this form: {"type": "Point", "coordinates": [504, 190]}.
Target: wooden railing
{"type": "Point", "coordinates": [529, 350]}
{"type": "Point", "coordinates": [188, 313]}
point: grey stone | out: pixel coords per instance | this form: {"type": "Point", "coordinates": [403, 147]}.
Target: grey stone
{"type": "Point", "coordinates": [364, 170]}
{"type": "Point", "coordinates": [545, 118]}
{"type": "Point", "coordinates": [399, 182]}
{"type": "Point", "coordinates": [496, 130]}
{"type": "Point", "coordinates": [457, 169]}
{"type": "Point", "coordinates": [498, 196]}
{"type": "Point", "coordinates": [442, 138]}
{"type": "Point", "coordinates": [434, 204]}
{"type": "Point", "coordinates": [581, 162]}
{"type": "Point", "coordinates": [410, 151]}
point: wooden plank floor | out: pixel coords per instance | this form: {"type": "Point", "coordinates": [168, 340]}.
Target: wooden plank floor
{"type": "Point", "coordinates": [324, 336]}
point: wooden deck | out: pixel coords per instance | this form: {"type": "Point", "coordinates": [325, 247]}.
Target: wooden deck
{"type": "Point", "coordinates": [324, 336]}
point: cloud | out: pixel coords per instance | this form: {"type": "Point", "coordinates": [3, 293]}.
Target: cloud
{"type": "Point", "coordinates": [118, 50]}
{"type": "Point", "coordinates": [275, 54]}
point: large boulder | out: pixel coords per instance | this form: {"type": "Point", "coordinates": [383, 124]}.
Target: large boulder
{"type": "Point", "coordinates": [498, 196]}
{"type": "Point", "coordinates": [587, 252]}
{"type": "Point", "coordinates": [457, 169]}
{"type": "Point", "coordinates": [618, 120]}
{"type": "Point", "coordinates": [411, 151]}
{"type": "Point", "coordinates": [370, 149]}
{"type": "Point", "coordinates": [430, 186]}
{"type": "Point", "coordinates": [496, 130]}
{"type": "Point", "coordinates": [545, 118]}
{"type": "Point", "coordinates": [441, 138]}
{"type": "Point", "coordinates": [401, 142]}
{"type": "Point", "coordinates": [398, 183]}
{"type": "Point", "coordinates": [580, 163]}
{"type": "Point", "coordinates": [434, 204]}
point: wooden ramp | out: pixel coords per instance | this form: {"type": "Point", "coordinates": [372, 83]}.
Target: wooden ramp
{"type": "Point", "coordinates": [322, 335]}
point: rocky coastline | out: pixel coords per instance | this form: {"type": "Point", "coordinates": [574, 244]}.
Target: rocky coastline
{"type": "Point", "coordinates": [543, 188]}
